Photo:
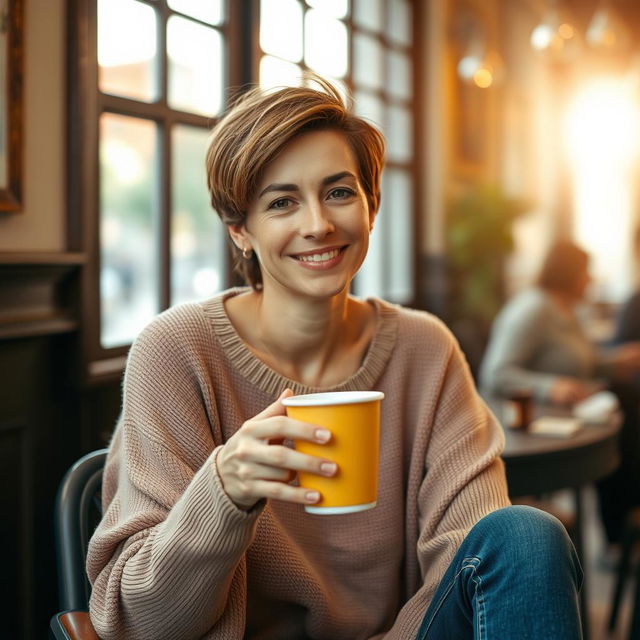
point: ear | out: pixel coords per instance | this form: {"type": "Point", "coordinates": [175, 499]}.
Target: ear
{"type": "Point", "coordinates": [238, 235]}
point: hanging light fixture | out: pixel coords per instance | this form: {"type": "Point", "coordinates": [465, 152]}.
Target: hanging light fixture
{"type": "Point", "coordinates": [478, 66]}
{"type": "Point", "coordinates": [555, 36]}
{"type": "Point", "coordinates": [607, 32]}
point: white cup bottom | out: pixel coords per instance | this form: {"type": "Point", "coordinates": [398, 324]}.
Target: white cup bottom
{"type": "Point", "coordinates": [331, 511]}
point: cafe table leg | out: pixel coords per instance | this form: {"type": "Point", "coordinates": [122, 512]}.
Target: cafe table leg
{"type": "Point", "coordinates": [578, 542]}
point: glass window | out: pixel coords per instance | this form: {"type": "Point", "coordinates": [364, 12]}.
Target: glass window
{"type": "Point", "coordinates": [211, 11]}
{"type": "Point", "coordinates": [196, 75]}
{"type": "Point", "coordinates": [335, 8]}
{"type": "Point", "coordinates": [197, 233]}
{"type": "Point", "coordinates": [399, 124]}
{"type": "Point", "coordinates": [128, 227]}
{"type": "Point", "coordinates": [279, 73]}
{"type": "Point", "coordinates": [127, 49]}
{"type": "Point", "coordinates": [368, 62]}
{"type": "Point", "coordinates": [368, 105]}
{"type": "Point", "coordinates": [281, 29]}
{"type": "Point", "coordinates": [399, 22]}
{"type": "Point", "coordinates": [325, 46]}
{"type": "Point", "coordinates": [367, 14]}
{"type": "Point", "coordinates": [398, 207]}
{"type": "Point", "coordinates": [399, 75]}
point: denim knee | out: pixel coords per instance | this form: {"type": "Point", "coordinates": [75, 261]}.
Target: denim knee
{"type": "Point", "coordinates": [524, 532]}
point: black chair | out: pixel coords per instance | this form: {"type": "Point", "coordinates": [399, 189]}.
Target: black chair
{"type": "Point", "coordinates": [77, 512]}
{"type": "Point", "coordinates": [630, 539]}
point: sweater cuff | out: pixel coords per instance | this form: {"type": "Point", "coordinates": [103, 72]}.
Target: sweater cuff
{"type": "Point", "coordinates": [228, 506]}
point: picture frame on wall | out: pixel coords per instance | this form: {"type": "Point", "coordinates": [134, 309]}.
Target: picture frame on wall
{"type": "Point", "coordinates": [11, 103]}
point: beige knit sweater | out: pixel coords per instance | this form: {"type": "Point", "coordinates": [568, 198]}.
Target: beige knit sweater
{"type": "Point", "coordinates": [173, 556]}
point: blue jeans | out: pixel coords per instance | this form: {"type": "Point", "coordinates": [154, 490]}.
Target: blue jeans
{"type": "Point", "coordinates": [515, 576]}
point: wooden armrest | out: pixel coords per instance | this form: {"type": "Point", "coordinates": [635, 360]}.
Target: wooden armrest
{"type": "Point", "coordinates": [78, 625]}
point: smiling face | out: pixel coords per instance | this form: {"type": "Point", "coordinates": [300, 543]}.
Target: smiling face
{"type": "Point", "coordinates": [309, 222]}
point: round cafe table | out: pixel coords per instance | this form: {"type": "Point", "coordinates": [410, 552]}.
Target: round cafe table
{"type": "Point", "coordinates": [537, 464]}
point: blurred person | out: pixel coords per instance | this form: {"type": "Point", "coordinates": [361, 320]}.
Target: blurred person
{"type": "Point", "coordinates": [537, 344]}
{"type": "Point", "coordinates": [204, 533]}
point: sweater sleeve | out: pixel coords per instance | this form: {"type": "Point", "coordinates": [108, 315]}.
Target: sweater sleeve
{"type": "Point", "coordinates": [517, 332]}
{"type": "Point", "coordinates": [167, 559]}
{"type": "Point", "coordinates": [463, 479]}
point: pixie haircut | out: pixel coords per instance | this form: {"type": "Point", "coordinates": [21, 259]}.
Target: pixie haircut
{"type": "Point", "coordinates": [254, 131]}
{"type": "Point", "coordinates": [563, 267]}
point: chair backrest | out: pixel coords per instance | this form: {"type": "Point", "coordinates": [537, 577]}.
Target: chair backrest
{"type": "Point", "coordinates": [77, 512]}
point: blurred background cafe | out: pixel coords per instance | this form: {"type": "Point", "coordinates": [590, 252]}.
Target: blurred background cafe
{"type": "Point", "coordinates": [510, 124]}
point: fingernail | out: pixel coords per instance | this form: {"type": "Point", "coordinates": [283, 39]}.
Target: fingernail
{"type": "Point", "coordinates": [328, 468]}
{"type": "Point", "coordinates": [322, 435]}
{"type": "Point", "coordinates": [312, 496]}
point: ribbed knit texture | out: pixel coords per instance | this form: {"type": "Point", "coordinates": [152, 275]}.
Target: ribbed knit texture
{"type": "Point", "coordinates": [174, 558]}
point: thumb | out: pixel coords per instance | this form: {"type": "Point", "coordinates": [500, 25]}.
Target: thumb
{"type": "Point", "coordinates": [276, 408]}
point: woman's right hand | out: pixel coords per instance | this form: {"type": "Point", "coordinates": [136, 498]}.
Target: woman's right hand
{"type": "Point", "coordinates": [255, 464]}
{"type": "Point", "coordinates": [568, 391]}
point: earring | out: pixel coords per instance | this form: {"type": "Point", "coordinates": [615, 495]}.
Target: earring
{"type": "Point", "coordinates": [246, 253]}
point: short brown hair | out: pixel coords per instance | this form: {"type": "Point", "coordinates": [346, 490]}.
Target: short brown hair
{"type": "Point", "coordinates": [563, 267]}
{"type": "Point", "coordinates": [252, 133]}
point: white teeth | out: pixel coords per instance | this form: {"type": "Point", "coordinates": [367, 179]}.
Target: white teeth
{"type": "Point", "coordinates": [320, 257]}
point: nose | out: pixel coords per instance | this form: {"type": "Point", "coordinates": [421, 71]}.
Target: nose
{"type": "Point", "coordinates": [316, 221]}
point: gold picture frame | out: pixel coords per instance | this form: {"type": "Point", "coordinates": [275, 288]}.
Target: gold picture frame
{"type": "Point", "coordinates": [11, 103]}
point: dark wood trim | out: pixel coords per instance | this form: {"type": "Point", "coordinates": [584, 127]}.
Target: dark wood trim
{"type": "Point", "coordinates": [11, 196]}
{"type": "Point", "coordinates": [41, 258]}
{"type": "Point", "coordinates": [37, 294]}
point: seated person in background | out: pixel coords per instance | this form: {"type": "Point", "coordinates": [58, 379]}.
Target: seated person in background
{"type": "Point", "coordinates": [537, 343]}
{"type": "Point", "coordinates": [204, 534]}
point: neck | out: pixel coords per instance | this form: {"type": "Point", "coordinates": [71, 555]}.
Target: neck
{"type": "Point", "coordinates": [318, 342]}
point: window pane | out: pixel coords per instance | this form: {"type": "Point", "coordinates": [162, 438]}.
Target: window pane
{"type": "Point", "coordinates": [196, 72]}
{"type": "Point", "coordinates": [281, 29]}
{"type": "Point", "coordinates": [370, 280]}
{"type": "Point", "coordinates": [198, 235]}
{"type": "Point", "coordinates": [368, 14]}
{"type": "Point", "coordinates": [367, 61]}
{"type": "Point", "coordinates": [369, 106]}
{"type": "Point", "coordinates": [397, 201]}
{"type": "Point", "coordinates": [399, 22]}
{"type": "Point", "coordinates": [399, 134]}
{"type": "Point", "coordinates": [399, 75]}
{"type": "Point", "coordinates": [325, 49]}
{"type": "Point", "coordinates": [211, 11]}
{"type": "Point", "coordinates": [278, 73]}
{"type": "Point", "coordinates": [335, 8]}
{"type": "Point", "coordinates": [128, 251]}
{"type": "Point", "coordinates": [127, 49]}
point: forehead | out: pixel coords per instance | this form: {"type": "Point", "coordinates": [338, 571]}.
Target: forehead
{"type": "Point", "coordinates": [315, 153]}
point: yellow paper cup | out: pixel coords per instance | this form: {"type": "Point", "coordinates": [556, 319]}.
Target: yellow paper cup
{"type": "Point", "coordinates": [353, 417]}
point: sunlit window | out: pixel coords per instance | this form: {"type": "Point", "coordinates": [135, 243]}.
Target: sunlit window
{"type": "Point", "coordinates": [603, 132]}
{"type": "Point", "coordinates": [160, 242]}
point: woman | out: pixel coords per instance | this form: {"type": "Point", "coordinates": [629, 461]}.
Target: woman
{"type": "Point", "coordinates": [204, 533]}
{"type": "Point", "coordinates": [537, 343]}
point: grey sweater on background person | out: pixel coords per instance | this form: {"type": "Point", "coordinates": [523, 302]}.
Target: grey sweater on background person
{"type": "Point", "coordinates": [533, 342]}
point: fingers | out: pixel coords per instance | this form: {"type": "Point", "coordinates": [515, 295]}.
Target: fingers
{"type": "Point", "coordinates": [282, 458]}
{"type": "Point", "coordinates": [276, 408]}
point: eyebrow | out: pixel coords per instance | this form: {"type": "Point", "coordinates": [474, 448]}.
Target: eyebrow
{"type": "Point", "coordinates": [294, 187]}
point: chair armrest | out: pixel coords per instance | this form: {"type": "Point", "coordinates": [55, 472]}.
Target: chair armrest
{"type": "Point", "coordinates": [72, 625]}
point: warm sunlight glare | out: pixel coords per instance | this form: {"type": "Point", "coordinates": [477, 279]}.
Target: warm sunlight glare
{"type": "Point", "coordinates": [602, 135]}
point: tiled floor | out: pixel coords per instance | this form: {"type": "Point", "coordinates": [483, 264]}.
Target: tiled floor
{"type": "Point", "coordinates": [600, 581]}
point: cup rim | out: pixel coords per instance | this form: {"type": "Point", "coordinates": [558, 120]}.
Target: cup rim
{"type": "Point", "coordinates": [332, 398]}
